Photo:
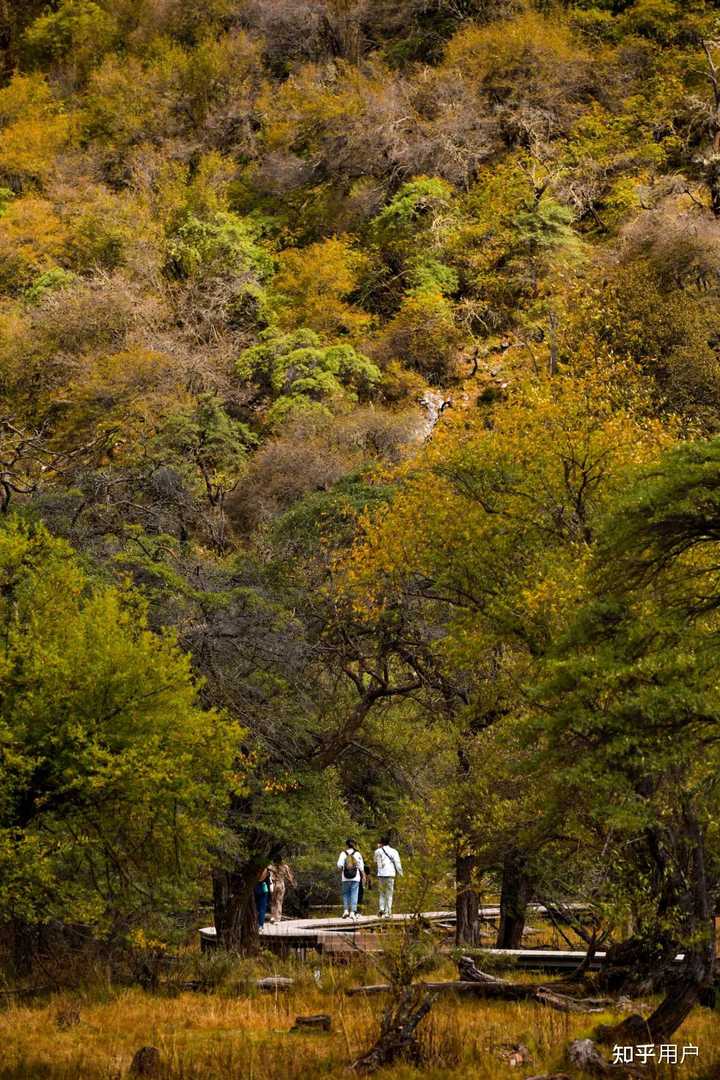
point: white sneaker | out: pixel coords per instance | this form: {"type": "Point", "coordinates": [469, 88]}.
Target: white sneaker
{"type": "Point", "coordinates": [345, 914]}
{"type": "Point", "coordinates": [355, 916]}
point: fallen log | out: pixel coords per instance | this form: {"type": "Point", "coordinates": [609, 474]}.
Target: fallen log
{"type": "Point", "coordinates": [312, 1023]}
{"type": "Point", "coordinates": [546, 995]}
{"type": "Point", "coordinates": [566, 1003]}
{"type": "Point", "coordinates": [500, 991]}
{"type": "Point", "coordinates": [476, 983]}
{"type": "Point", "coordinates": [274, 982]}
{"type": "Point", "coordinates": [26, 991]}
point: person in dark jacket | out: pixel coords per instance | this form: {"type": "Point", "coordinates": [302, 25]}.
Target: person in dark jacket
{"type": "Point", "coordinates": [262, 896]}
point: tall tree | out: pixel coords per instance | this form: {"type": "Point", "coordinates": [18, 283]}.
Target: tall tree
{"type": "Point", "coordinates": [114, 779]}
{"type": "Point", "coordinates": [489, 533]}
{"type": "Point", "coordinates": [631, 710]}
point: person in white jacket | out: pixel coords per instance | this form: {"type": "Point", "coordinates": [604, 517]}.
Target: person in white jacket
{"type": "Point", "coordinates": [352, 871]}
{"type": "Point", "coordinates": [388, 865]}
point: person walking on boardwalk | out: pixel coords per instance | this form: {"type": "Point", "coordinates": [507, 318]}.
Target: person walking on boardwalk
{"type": "Point", "coordinates": [262, 895]}
{"type": "Point", "coordinates": [282, 876]}
{"type": "Point", "coordinates": [388, 865]}
{"type": "Point", "coordinates": [352, 871]}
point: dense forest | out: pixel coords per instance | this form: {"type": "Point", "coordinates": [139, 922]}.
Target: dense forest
{"type": "Point", "coordinates": [360, 470]}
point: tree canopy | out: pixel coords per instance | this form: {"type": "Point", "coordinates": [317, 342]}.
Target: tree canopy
{"type": "Point", "coordinates": [114, 776]}
{"type": "Point", "coordinates": [359, 372]}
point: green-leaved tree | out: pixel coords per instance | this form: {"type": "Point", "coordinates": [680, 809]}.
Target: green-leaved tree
{"type": "Point", "coordinates": [112, 778]}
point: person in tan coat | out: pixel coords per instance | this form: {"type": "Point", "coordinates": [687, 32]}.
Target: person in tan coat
{"type": "Point", "coordinates": [283, 877]}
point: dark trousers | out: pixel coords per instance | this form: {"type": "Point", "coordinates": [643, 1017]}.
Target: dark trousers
{"type": "Point", "coordinates": [261, 903]}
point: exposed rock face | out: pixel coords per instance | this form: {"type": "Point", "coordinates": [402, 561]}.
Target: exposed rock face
{"type": "Point", "coordinates": [434, 405]}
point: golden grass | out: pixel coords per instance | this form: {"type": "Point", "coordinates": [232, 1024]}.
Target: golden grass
{"type": "Point", "coordinates": [243, 1034]}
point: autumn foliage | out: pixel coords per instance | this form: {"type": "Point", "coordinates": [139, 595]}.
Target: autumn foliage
{"type": "Point", "coordinates": [343, 347]}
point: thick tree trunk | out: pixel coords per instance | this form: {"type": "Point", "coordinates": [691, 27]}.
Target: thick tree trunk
{"type": "Point", "coordinates": [685, 992]}
{"type": "Point", "coordinates": [639, 966]}
{"type": "Point", "coordinates": [467, 903]}
{"type": "Point", "coordinates": [696, 976]}
{"type": "Point", "coordinates": [234, 908]}
{"type": "Point", "coordinates": [514, 898]}
{"type": "Point", "coordinates": [675, 1008]}
{"type": "Point", "coordinates": [26, 944]}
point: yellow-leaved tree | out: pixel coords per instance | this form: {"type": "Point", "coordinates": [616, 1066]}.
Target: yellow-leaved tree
{"type": "Point", "coordinates": [489, 531]}
{"type": "Point", "coordinates": [34, 128]}
{"type": "Point", "coordinates": [313, 286]}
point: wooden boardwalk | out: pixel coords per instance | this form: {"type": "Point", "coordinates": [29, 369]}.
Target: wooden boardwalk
{"type": "Point", "coordinates": [333, 935]}
{"type": "Point", "coordinates": [343, 937]}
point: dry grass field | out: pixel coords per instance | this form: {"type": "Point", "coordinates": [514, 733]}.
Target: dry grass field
{"type": "Point", "coordinates": [238, 1032]}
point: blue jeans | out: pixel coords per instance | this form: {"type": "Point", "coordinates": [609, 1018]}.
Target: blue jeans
{"type": "Point", "coordinates": [261, 903]}
{"type": "Point", "coordinates": [350, 891]}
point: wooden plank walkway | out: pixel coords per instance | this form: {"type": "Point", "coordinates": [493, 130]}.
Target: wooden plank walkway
{"type": "Point", "coordinates": [337, 936]}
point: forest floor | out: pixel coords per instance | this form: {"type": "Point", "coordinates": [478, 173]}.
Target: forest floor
{"type": "Point", "coordinates": [239, 1032]}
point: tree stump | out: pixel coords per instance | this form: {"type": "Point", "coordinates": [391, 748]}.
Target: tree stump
{"type": "Point", "coordinates": [471, 972]}
{"type": "Point", "coordinates": [322, 1022]}
{"type": "Point", "coordinates": [146, 1062]}
{"type": "Point", "coordinates": [583, 1054]}
{"type": "Point", "coordinates": [514, 1054]}
{"type": "Point", "coordinates": [397, 1033]}
{"type": "Point", "coordinates": [67, 1017]}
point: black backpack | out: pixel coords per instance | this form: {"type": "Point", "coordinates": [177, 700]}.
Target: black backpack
{"type": "Point", "coordinates": [350, 866]}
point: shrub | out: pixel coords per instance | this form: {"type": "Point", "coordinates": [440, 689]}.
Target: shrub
{"type": "Point", "coordinates": [423, 336]}
{"type": "Point", "coordinates": [313, 286]}
{"type": "Point", "coordinates": [78, 33]}
{"type": "Point", "coordinates": [32, 242]}
{"type": "Point", "coordinates": [35, 130]}
{"type": "Point", "coordinates": [290, 370]}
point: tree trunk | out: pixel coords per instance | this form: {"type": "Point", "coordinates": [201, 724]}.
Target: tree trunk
{"type": "Point", "coordinates": [26, 946]}
{"type": "Point", "coordinates": [696, 976]}
{"type": "Point", "coordinates": [681, 998]}
{"type": "Point", "coordinates": [711, 168]}
{"type": "Point", "coordinates": [234, 908]}
{"type": "Point", "coordinates": [398, 1039]}
{"type": "Point", "coordinates": [639, 966]}
{"type": "Point", "coordinates": [467, 904]}
{"type": "Point", "coordinates": [514, 898]}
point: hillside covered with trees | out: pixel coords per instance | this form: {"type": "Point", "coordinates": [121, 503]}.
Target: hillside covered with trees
{"type": "Point", "coordinates": [360, 470]}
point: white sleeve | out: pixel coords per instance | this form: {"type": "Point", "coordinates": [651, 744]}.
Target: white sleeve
{"type": "Point", "coordinates": [341, 860]}
{"type": "Point", "coordinates": [360, 862]}
{"type": "Point", "coordinates": [398, 864]}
